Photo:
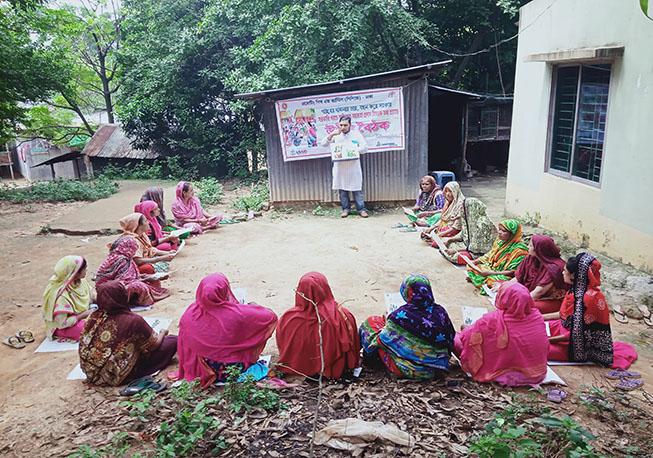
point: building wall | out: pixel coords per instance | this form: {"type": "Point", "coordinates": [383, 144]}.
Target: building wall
{"type": "Point", "coordinates": [36, 151]}
{"type": "Point", "coordinates": [387, 175]}
{"type": "Point", "coordinates": [617, 216]}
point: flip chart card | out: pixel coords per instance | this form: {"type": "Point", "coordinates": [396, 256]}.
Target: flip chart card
{"type": "Point", "coordinates": [393, 301]}
{"type": "Point", "coordinates": [472, 314]}
{"type": "Point", "coordinates": [241, 294]}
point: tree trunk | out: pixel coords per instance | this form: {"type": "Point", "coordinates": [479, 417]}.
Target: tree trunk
{"type": "Point", "coordinates": [473, 48]}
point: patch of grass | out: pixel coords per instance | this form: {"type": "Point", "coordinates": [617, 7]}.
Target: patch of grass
{"type": "Point", "coordinates": [259, 194]}
{"type": "Point", "coordinates": [60, 191]}
{"type": "Point", "coordinates": [140, 403]}
{"type": "Point", "coordinates": [209, 191]}
{"type": "Point", "coordinates": [246, 394]}
{"type": "Point", "coordinates": [331, 212]}
{"type": "Point", "coordinates": [118, 448]}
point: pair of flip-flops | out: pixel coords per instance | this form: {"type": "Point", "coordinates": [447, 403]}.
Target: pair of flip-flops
{"type": "Point", "coordinates": [628, 380]}
{"type": "Point", "coordinates": [19, 340]}
{"type": "Point", "coordinates": [143, 383]}
{"type": "Point", "coordinates": [556, 395]}
{"type": "Point", "coordinates": [275, 384]}
{"type": "Point", "coordinates": [619, 314]}
{"type": "Point", "coordinates": [646, 315]}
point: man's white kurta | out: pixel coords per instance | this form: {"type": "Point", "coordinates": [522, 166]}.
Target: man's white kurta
{"type": "Point", "coordinates": [347, 175]}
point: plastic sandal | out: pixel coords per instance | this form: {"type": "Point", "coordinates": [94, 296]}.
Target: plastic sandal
{"type": "Point", "coordinates": [620, 373]}
{"type": "Point", "coordinates": [25, 336]}
{"type": "Point", "coordinates": [409, 229]}
{"type": "Point", "coordinates": [228, 221]}
{"type": "Point", "coordinates": [13, 342]}
{"type": "Point", "coordinates": [619, 314]}
{"type": "Point", "coordinates": [143, 383]}
{"type": "Point", "coordinates": [398, 225]}
{"type": "Point", "coordinates": [628, 384]}
{"type": "Point", "coordinates": [556, 395]}
{"type": "Point", "coordinates": [275, 384]}
{"type": "Point", "coordinates": [646, 315]}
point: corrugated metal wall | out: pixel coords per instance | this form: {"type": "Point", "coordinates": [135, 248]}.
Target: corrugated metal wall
{"type": "Point", "coordinates": [387, 175]}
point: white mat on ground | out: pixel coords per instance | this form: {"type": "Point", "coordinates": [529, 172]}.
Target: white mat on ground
{"type": "Point", "coordinates": [393, 301]}
{"type": "Point", "coordinates": [157, 324]}
{"type": "Point", "coordinates": [48, 346]}
{"type": "Point", "coordinates": [552, 378]}
{"type": "Point", "coordinates": [569, 363]}
{"type": "Point", "coordinates": [241, 294]}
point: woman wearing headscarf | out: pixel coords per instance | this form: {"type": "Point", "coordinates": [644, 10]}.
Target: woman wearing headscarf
{"type": "Point", "coordinates": [155, 194]}
{"type": "Point", "coordinates": [117, 345]}
{"type": "Point", "coordinates": [148, 258]}
{"type": "Point", "coordinates": [188, 210]}
{"type": "Point", "coordinates": [580, 331]}
{"type": "Point", "coordinates": [216, 332]}
{"type": "Point", "coordinates": [297, 336]}
{"type": "Point", "coordinates": [541, 273]}
{"type": "Point", "coordinates": [500, 263]}
{"type": "Point", "coordinates": [508, 345]}
{"type": "Point", "coordinates": [150, 210]}
{"type": "Point", "coordinates": [120, 265]}
{"type": "Point", "coordinates": [417, 339]}
{"type": "Point", "coordinates": [66, 299]}
{"type": "Point", "coordinates": [429, 204]}
{"type": "Point", "coordinates": [451, 221]}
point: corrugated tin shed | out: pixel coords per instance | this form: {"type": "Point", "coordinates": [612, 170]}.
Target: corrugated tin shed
{"type": "Point", "coordinates": [387, 175]}
{"type": "Point", "coordinates": [109, 141]}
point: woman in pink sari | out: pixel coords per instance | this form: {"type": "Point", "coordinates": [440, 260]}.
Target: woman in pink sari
{"type": "Point", "coordinates": [509, 345]}
{"type": "Point", "coordinates": [151, 211]}
{"type": "Point", "coordinates": [188, 211]}
{"type": "Point", "coordinates": [120, 265]}
{"type": "Point", "coordinates": [216, 332]}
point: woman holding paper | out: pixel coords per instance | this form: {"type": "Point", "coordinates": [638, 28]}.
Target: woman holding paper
{"type": "Point", "coordinates": [117, 345]}
{"type": "Point", "coordinates": [429, 204]}
{"type": "Point", "coordinates": [500, 263]}
{"type": "Point", "coordinates": [148, 258]}
{"type": "Point", "coordinates": [416, 340]}
{"type": "Point", "coordinates": [188, 211]}
{"type": "Point", "coordinates": [143, 289]}
{"type": "Point", "coordinates": [508, 345]}
{"type": "Point", "coordinates": [297, 336]}
{"type": "Point", "coordinates": [150, 210]}
{"type": "Point", "coordinates": [451, 221]}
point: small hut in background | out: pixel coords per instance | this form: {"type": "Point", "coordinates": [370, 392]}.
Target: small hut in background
{"type": "Point", "coordinates": [109, 144]}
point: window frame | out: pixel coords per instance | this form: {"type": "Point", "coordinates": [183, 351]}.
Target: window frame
{"type": "Point", "coordinates": [549, 136]}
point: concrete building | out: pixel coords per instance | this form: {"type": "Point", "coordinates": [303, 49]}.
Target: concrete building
{"type": "Point", "coordinates": [581, 158]}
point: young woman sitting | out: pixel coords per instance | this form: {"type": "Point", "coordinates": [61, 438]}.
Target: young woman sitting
{"type": "Point", "coordinates": [117, 345]}
{"type": "Point", "coordinates": [500, 263]}
{"type": "Point", "coordinates": [417, 339]}
{"type": "Point", "coordinates": [142, 289]}
{"type": "Point", "coordinates": [429, 204]}
{"type": "Point", "coordinates": [451, 221]}
{"type": "Point", "coordinates": [155, 194]}
{"type": "Point", "coordinates": [188, 210]}
{"type": "Point", "coordinates": [508, 345]}
{"type": "Point", "coordinates": [217, 332]}
{"type": "Point", "coordinates": [297, 335]}
{"type": "Point", "coordinates": [66, 299]}
{"type": "Point", "coordinates": [148, 258]}
{"type": "Point", "coordinates": [158, 239]}
{"type": "Point", "coordinates": [580, 331]}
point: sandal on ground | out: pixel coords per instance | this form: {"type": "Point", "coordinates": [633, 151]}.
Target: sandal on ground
{"type": "Point", "coordinates": [556, 395]}
{"type": "Point", "coordinates": [620, 373]}
{"type": "Point", "coordinates": [13, 341]}
{"type": "Point", "coordinates": [140, 384]}
{"type": "Point", "coordinates": [408, 229]}
{"type": "Point", "coordinates": [25, 336]}
{"type": "Point", "coordinates": [619, 314]}
{"type": "Point", "coordinates": [228, 221]}
{"type": "Point", "coordinates": [398, 225]}
{"type": "Point", "coordinates": [275, 384]}
{"type": "Point", "coordinates": [628, 384]}
{"type": "Point", "coordinates": [646, 315]}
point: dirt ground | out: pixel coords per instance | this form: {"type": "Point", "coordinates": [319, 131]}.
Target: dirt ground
{"type": "Point", "coordinates": [362, 258]}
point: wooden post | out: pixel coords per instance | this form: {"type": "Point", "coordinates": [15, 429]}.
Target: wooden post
{"type": "Point", "coordinates": [89, 167]}
{"type": "Point", "coordinates": [11, 167]}
{"type": "Point", "coordinates": [462, 174]}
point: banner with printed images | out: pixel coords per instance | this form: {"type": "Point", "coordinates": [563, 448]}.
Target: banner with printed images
{"type": "Point", "coordinates": [304, 122]}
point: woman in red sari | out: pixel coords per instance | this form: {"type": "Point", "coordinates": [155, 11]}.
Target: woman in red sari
{"type": "Point", "coordinates": [217, 332]}
{"type": "Point", "coordinates": [151, 211]}
{"type": "Point", "coordinates": [297, 336]}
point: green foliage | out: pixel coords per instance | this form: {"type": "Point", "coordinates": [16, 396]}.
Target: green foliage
{"type": "Point", "coordinates": [181, 436]}
{"type": "Point", "coordinates": [246, 394]}
{"type": "Point", "coordinates": [118, 448]}
{"type": "Point", "coordinates": [643, 4]}
{"type": "Point", "coordinates": [260, 193]}
{"type": "Point", "coordinates": [140, 404]}
{"type": "Point", "coordinates": [168, 168]}
{"type": "Point", "coordinates": [209, 191]}
{"type": "Point", "coordinates": [60, 191]}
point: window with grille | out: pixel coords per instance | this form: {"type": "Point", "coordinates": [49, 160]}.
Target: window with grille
{"type": "Point", "coordinates": [579, 112]}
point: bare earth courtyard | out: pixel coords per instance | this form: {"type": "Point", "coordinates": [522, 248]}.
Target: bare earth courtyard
{"type": "Point", "coordinates": [43, 414]}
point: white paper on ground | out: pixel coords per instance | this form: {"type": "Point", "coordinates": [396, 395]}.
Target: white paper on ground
{"type": "Point", "coordinates": [241, 294]}
{"type": "Point", "coordinates": [568, 363]}
{"type": "Point", "coordinates": [265, 359]}
{"type": "Point", "coordinates": [393, 301]}
{"type": "Point", "coordinates": [552, 377]}
{"type": "Point", "coordinates": [141, 308]}
{"type": "Point", "coordinates": [78, 374]}
{"type": "Point", "coordinates": [491, 295]}
{"type": "Point", "coordinates": [472, 314]}
{"type": "Point", "coordinates": [48, 346]}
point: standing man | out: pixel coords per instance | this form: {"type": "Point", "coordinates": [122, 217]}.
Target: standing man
{"type": "Point", "coordinates": [347, 175]}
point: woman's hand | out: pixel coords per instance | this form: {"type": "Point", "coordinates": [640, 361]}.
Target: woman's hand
{"type": "Point", "coordinates": [167, 257]}
{"type": "Point", "coordinates": [85, 314]}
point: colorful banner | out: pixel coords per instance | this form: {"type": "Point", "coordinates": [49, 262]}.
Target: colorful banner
{"type": "Point", "coordinates": [304, 122]}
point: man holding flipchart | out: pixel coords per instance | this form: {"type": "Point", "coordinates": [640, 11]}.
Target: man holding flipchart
{"type": "Point", "coordinates": [347, 174]}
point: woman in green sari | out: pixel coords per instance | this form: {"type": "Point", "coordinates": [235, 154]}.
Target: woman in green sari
{"type": "Point", "coordinates": [500, 263]}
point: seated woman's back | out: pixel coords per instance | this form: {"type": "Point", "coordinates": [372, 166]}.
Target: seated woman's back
{"type": "Point", "coordinates": [297, 336]}
{"type": "Point", "coordinates": [508, 345]}
{"type": "Point", "coordinates": [217, 331]}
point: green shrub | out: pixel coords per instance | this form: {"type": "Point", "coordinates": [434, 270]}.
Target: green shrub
{"type": "Point", "coordinates": [246, 394]}
{"type": "Point", "coordinates": [209, 191]}
{"type": "Point", "coordinates": [60, 191]}
{"type": "Point", "coordinates": [259, 194]}
{"type": "Point", "coordinates": [168, 168]}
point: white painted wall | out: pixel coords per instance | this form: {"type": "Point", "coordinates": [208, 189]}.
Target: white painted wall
{"type": "Point", "coordinates": [618, 216]}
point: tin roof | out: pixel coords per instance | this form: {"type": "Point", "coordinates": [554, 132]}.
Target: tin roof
{"type": "Point", "coordinates": [110, 141]}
